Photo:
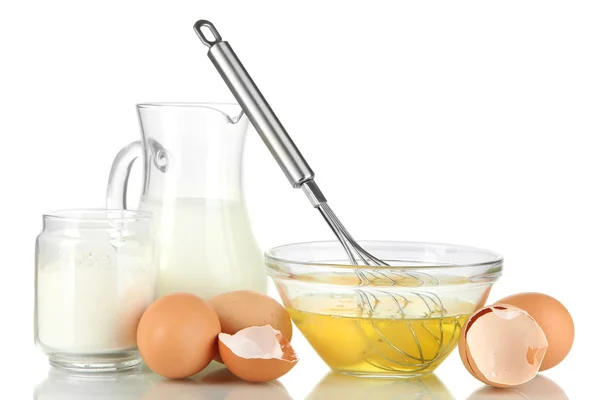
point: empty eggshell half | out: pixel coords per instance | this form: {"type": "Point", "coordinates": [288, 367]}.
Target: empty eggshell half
{"type": "Point", "coordinates": [245, 308]}
{"type": "Point", "coordinates": [257, 353]}
{"type": "Point", "coordinates": [502, 346]}
{"type": "Point", "coordinates": [554, 319]}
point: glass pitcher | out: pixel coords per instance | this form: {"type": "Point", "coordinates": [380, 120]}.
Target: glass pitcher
{"type": "Point", "coordinates": [192, 154]}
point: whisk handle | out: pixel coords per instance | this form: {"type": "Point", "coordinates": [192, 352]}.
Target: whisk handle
{"type": "Point", "coordinates": [255, 106]}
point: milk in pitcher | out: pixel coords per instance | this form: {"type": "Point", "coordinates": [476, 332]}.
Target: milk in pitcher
{"type": "Point", "coordinates": [206, 246]}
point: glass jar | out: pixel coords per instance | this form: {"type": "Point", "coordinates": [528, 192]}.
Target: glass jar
{"type": "Point", "coordinates": [95, 276]}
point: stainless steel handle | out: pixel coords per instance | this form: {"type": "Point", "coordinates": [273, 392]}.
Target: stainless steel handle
{"type": "Point", "coordinates": [255, 106]}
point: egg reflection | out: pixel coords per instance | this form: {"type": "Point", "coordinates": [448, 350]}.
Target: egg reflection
{"type": "Point", "coordinates": [335, 385]}
{"type": "Point", "coordinates": [182, 389]}
{"type": "Point", "coordinates": [230, 387]}
{"type": "Point", "coordinates": [215, 384]}
{"type": "Point", "coordinates": [539, 388]}
{"type": "Point", "coordinates": [66, 385]}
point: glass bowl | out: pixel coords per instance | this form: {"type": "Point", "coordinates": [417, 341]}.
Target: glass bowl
{"type": "Point", "coordinates": [400, 320]}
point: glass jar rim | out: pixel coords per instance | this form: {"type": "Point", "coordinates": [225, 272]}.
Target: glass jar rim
{"type": "Point", "coordinates": [187, 104]}
{"type": "Point", "coordinates": [97, 215]}
{"type": "Point", "coordinates": [496, 260]}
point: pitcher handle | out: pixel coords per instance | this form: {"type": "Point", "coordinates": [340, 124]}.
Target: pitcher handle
{"type": "Point", "coordinates": [116, 193]}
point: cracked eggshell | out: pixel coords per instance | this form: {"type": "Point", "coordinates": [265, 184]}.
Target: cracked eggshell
{"type": "Point", "coordinates": [554, 319]}
{"type": "Point", "coordinates": [257, 353]}
{"type": "Point", "coordinates": [502, 346]}
{"type": "Point", "coordinates": [245, 308]}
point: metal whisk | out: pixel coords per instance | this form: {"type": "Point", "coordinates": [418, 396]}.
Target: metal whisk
{"type": "Point", "coordinates": [300, 175]}
{"type": "Point", "coordinates": [276, 138]}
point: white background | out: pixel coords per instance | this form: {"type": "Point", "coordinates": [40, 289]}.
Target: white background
{"type": "Point", "coordinates": [466, 122]}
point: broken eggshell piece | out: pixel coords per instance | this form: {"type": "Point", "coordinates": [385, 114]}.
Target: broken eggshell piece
{"type": "Point", "coordinates": [502, 346]}
{"type": "Point", "coordinates": [554, 319]}
{"type": "Point", "coordinates": [257, 353]}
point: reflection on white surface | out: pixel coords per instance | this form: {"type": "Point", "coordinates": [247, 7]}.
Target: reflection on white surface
{"type": "Point", "coordinates": [338, 386]}
{"type": "Point", "coordinates": [215, 382]}
{"type": "Point", "coordinates": [65, 385]}
{"type": "Point", "coordinates": [539, 388]}
{"type": "Point", "coordinates": [236, 389]}
{"type": "Point", "coordinates": [218, 384]}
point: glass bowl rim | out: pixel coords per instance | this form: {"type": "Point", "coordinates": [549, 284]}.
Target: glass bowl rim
{"type": "Point", "coordinates": [497, 260]}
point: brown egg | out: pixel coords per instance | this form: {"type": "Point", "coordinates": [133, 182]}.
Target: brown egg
{"type": "Point", "coordinates": [553, 318]}
{"type": "Point", "coordinates": [177, 335]}
{"type": "Point", "coordinates": [502, 346]}
{"type": "Point", "coordinates": [257, 354]}
{"type": "Point", "coordinates": [245, 308]}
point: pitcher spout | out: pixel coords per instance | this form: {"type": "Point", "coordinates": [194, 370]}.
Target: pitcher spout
{"type": "Point", "coordinates": [232, 112]}
{"type": "Point", "coordinates": [234, 119]}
